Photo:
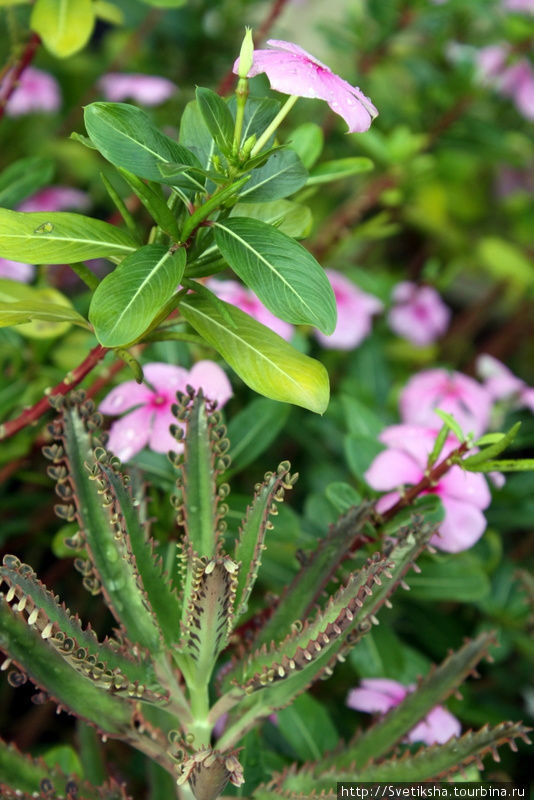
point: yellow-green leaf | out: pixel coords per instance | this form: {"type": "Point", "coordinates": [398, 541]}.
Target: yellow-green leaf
{"type": "Point", "coordinates": [64, 25]}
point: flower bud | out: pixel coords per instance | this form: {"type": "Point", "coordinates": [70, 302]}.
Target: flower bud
{"type": "Point", "coordinates": [246, 55]}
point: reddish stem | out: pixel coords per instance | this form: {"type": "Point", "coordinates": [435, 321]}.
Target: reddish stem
{"type": "Point", "coordinates": [226, 83]}
{"type": "Point", "coordinates": [71, 380]}
{"type": "Point", "coordinates": [428, 482]}
{"type": "Point", "coordinates": [13, 77]}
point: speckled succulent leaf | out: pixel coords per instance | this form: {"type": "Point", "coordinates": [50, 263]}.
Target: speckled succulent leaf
{"type": "Point", "coordinates": [252, 531]}
{"type": "Point", "coordinates": [161, 594]}
{"type": "Point", "coordinates": [298, 599]}
{"type": "Point", "coordinates": [209, 617]}
{"type": "Point", "coordinates": [63, 631]}
{"type": "Point", "coordinates": [389, 729]}
{"type": "Point", "coordinates": [50, 669]}
{"type": "Point", "coordinates": [199, 502]}
{"type": "Point", "coordinates": [439, 761]}
{"type": "Point", "coordinates": [91, 502]}
{"type": "Point", "coordinates": [208, 771]}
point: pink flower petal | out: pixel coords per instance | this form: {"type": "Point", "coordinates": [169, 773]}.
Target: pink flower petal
{"type": "Point", "coordinates": [150, 90]}
{"type": "Point", "coordinates": [128, 435]}
{"type": "Point", "coordinates": [437, 727]}
{"type": "Point", "coordinates": [499, 381]}
{"type": "Point", "coordinates": [167, 379]}
{"type": "Point", "coordinates": [56, 198]}
{"type": "Point", "coordinates": [527, 398]}
{"type": "Point", "coordinates": [387, 501]}
{"type": "Point", "coordinates": [420, 316]}
{"type": "Point", "coordinates": [37, 91]}
{"type": "Point", "coordinates": [469, 487]}
{"type": "Point", "coordinates": [161, 439]}
{"type": "Point", "coordinates": [376, 695]}
{"type": "Point", "coordinates": [391, 469]}
{"type": "Point", "coordinates": [415, 440]}
{"type": "Point", "coordinates": [355, 309]}
{"type": "Point", "coordinates": [212, 379]}
{"type": "Point", "coordinates": [125, 396]}
{"type": "Point", "coordinates": [16, 270]}
{"type": "Point", "coordinates": [463, 525]}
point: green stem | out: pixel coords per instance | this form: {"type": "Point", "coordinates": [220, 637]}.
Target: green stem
{"type": "Point", "coordinates": [200, 727]}
{"type": "Point", "coordinates": [86, 275]}
{"type": "Point", "coordinates": [241, 94]}
{"type": "Point", "coordinates": [268, 132]}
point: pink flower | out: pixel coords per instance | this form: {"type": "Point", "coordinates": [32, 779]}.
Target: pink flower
{"type": "Point", "coordinates": [355, 309]}
{"type": "Point", "coordinates": [457, 394]}
{"type": "Point", "coordinates": [502, 384]}
{"type": "Point", "coordinates": [150, 90]}
{"type": "Point", "coordinates": [16, 270]}
{"type": "Point", "coordinates": [490, 60]}
{"type": "Point", "coordinates": [379, 695]}
{"type": "Point", "coordinates": [418, 314]}
{"type": "Point", "coordinates": [291, 70]}
{"type": "Point", "coordinates": [149, 407]}
{"type": "Point", "coordinates": [237, 295]}
{"type": "Point", "coordinates": [519, 5]}
{"type": "Point", "coordinates": [56, 198]}
{"type": "Point", "coordinates": [517, 82]}
{"type": "Point", "coordinates": [37, 91]}
{"type": "Point", "coordinates": [463, 494]}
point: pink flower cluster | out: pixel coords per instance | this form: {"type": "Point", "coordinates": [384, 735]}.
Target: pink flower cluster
{"type": "Point", "coordinates": [291, 70]}
{"type": "Point", "coordinates": [149, 90]}
{"type": "Point", "coordinates": [502, 384]}
{"type": "Point", "coordinates": [379, 695]}
{"type": "Point", "coordinates": [36, 91]}
{"type": "Point", "coordinates": [515, 80]}
{"type": "Point", "coordinates": [147, 406]}
{"type": "Point", "coordinates": [53, 198]}
{"type": "Point", "coordinates": [418, 313]}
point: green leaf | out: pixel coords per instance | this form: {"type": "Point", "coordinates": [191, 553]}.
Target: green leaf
{"type": "Point", "coordinates": [21, 771]}
{"type": "Point", "coordinates": [291, 218]}
{"type": "Point", "coordinates": [504, 465]}
{"type": "Point", "coordinates": [339, 168]}
{"type": "Point", "coordinates": [285, 276]}
{"type": "Point", "coordinates": [265, 361]}
{"type": "Point", "coordinates": [343, 496]}
{"type": "Point", "coordinates": [152, 197]}
{"type": "Point", "coordinates": [307, 141]}
{"type": "Point", "coordinates": [217, 117]}
{"type": "Point", "coordinates": [194, 135]}
{"type": "Point", "coordinates": [453, 424]}
{"type": "Point", "coordinates": [126, 136]}
{"type": "Point", "coordinates": [359, 418]}
{"type": "Point", "coordinates": [64, 25]}
{"type": "Point", "coordinates": [26, 311]}
{"type": "Point", "coordinates": [109, 12]}
{"type": "Point", "coordinates": [59, 237]}
{"type": "Point", "coordinates": [128, 300]}
{"type": "Point", "coordinates": [259, 113]}
{"type": "Point", "coordinates": [360, 451]}
{"type": "Point", "coordinates": [253, 429]}
{"type": "Point", "coordinates": [165, 3]}
{"type": "Point", "coordinates": [308, 727]}
{"type": "Point", "coordinates": [457, 577]}
{"type": "Point", "coordinates": [281, 175]}
{"type": "Point", "coordinates": [494, 449]}
{"type": "Point", "coordinates": [23, 178]}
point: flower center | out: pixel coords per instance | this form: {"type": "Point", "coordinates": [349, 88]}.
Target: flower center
{"type": "Point", "coordinates": [158, 400]}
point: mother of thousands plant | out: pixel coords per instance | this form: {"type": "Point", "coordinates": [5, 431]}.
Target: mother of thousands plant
{"type": "Point", "coordinates": [158, 683]}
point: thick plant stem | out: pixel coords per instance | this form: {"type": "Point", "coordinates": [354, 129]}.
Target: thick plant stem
{"type": "Point", "coordinates": [13, 78]}
{"type": "Point", "coordinates": [275, 124]}
{"type": "Point", "coordinates": [71, 380]}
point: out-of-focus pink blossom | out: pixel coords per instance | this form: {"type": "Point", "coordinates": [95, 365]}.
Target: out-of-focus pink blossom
{"type": "Point", "coordinates": [490, 61]}
{"type": "Point", "coordinates": [149, 90]}
{"type": "Point", "coordinates": [502, 384]}
{"type": "Point", "coordinates": [291, 70]}
{"type": "Point", "coordinates": [418, 313]}
{"type": "Point", "coordinates": [355, 309]}
{"type": "Point", "coordinates": [37, 91]}
{"type": "Point", "coordinates": [148, 408]}
{"type": "Point", "coordinates": [457, 394]}
{"type": "Point", "coordinates": [517, 82]}
{"type": "Point", "coordinates": [237, 295]}
{"type": "Point", "coordinates": [519, 5]}
{"type": "Point", "coordinates": [56, 198]}
{"type": "Point", "coordinates": [464, 494]}
{"type": "Point", "coordinates": [379, 695]}
{"type": "Point", "coordinates": [16, 270]}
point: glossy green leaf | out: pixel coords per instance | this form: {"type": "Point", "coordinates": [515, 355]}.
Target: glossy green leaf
{"type": "Point", "coordinates": [26, 311]}
{"type": "Point", "coordinates": [457, 577]}
{"type": "Point", "coordinates": [340, 168]}
{"type": "Point", "coordinates": [285, 276]}
{"type": "Point", "coordinates": [127, 137]}
{"type": "Point", "coordinates": [23, 178]}
{"type": "Point", "coordinates": [265, 361]}
{"type": "Point", "coordinates": [308, 727]}
{"type": "Point", "coordinates": [153, 199]}
{"type": "Point", "coordinates": [343, 496]}
{"type": "Point", "coordinates": [194, 135]}
{"type": "Point", "coordinates": [217, 117]}
{"type": "Point", "coordinates": [281, 175]}
{"type": "Point", "coordinates": [65, 26]}
{"type": "Point", "coordinates": [307, 141]}
{"type": "Point", "coordinates": [291, 218]}
{"type": "Point", "coordinates": [128, 300]}
{"type": "Point", "coordinates": [59, 237]}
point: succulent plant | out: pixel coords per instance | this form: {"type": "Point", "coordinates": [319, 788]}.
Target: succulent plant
{"type": "Point", "coordinates": [187, 673]}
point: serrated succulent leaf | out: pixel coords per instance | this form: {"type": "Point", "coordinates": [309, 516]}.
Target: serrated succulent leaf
{"type": "Point", "coordinates": [159, 590]}
{"type": "Point", "coordinates": [20, 772]}
{"type": "Point", "coordinates": [252, 532]}
{"type": "Point", "coordinates": [202, 461]}
{"type": "Point", "coordinates": [432, 690]}
{"type": "Point", "coordinates": [51, 671]}
{"type": "Point", "coordinates": [209, 617]}
{"type": "Point", "coordinates": [438, 761]}
{"type": "Point", "coordinates": [86, 654]}
{"type": "Point", "coordinates": [298, 599]}
{"type": "Point", "coordinates": [106, 540]}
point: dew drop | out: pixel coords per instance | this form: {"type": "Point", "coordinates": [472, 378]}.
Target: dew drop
{"type": "Point", "coordinates": [46, 227]}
